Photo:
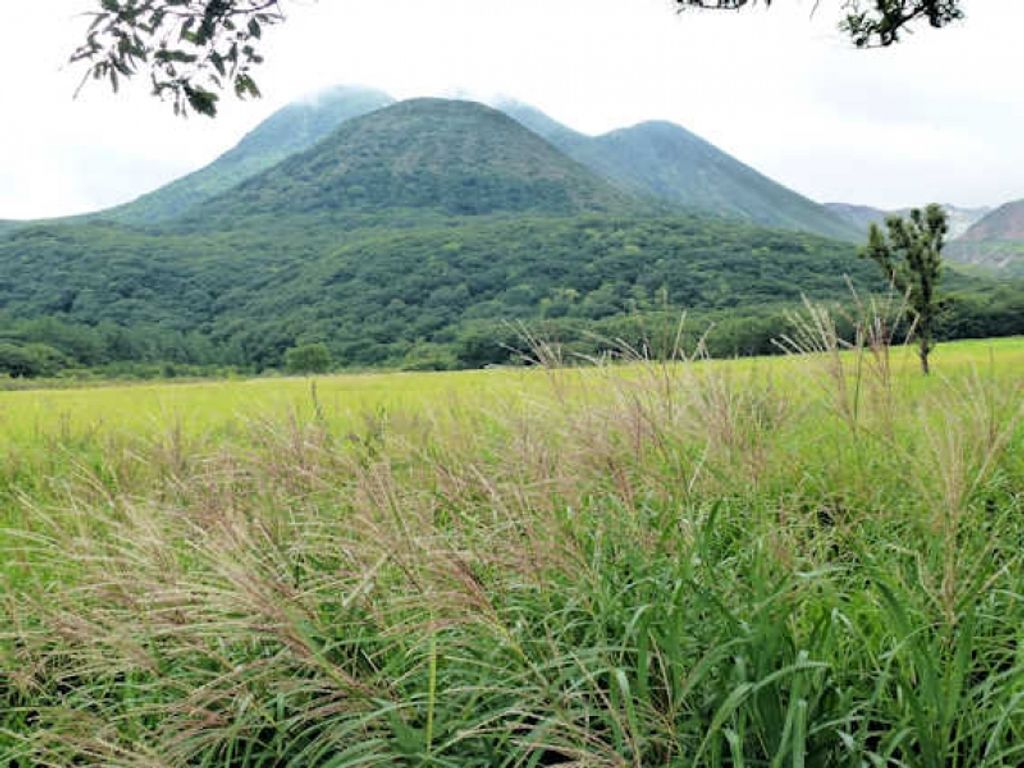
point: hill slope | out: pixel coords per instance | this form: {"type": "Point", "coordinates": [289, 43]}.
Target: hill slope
{"type": "Point", "coordinates": [1004, 223]}
{"type": "Point", "coordinates": [863, 216]}
{"type": "Point", "coordinates": [995, 241]}
{"type": "Point", "coordinates": [292, 129]}
{"type": "Point", "coordinates": [668, 162]}
{"type": "Point", "coordinates": [860, 216]}
{"type": "Point", "coordinates": [453, 157]}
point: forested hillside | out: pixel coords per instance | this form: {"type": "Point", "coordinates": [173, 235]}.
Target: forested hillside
{"type": "Point", "coordinates": [374, 294]}
{"type": "Point", "coordinates": [440, 295]}
{"type": "Point", "coordinates": [426, 234]}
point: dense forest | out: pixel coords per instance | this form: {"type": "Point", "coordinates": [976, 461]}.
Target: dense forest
{"type": "Point", "coordinates": [440, 296]}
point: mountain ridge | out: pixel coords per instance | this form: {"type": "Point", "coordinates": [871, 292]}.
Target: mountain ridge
{"type": "Point", "coordinates": [653, 160]}
{"type": "Point", "coordinates": [628, 158]}
{"type": "Point", "coordinates": [664, 160]}
{"type": "Point", "coordinates": [456, 157]}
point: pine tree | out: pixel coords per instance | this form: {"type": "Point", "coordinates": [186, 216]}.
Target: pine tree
{"type": "Point", "coordinates": [911, 257]}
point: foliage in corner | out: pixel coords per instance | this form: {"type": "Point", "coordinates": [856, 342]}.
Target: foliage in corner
{"type": "Point", "coordinates": [191, 48]}
{"type": "Point", "coordinates": [869, 23]}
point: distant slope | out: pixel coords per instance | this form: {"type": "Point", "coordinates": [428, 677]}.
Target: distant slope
{"type": "Point", "coordinates": [863, 216]}
{"type": "Point", "coordinates": [1004, 223]}
{"type": "Point", "coordinates": [562, 136]}
{"type": "Point", "coordinates": [995, 241]}
{"type": "Point", "coordinates": [452, 157]}
{"type": "Point", "coordinates": [292, 129]}
{"type": "Point", "coordinates": [962, 219]}
{"type": "Point", "coordinates": [666, 161]}
{"type": "Point", "coordinates": [860, 216]}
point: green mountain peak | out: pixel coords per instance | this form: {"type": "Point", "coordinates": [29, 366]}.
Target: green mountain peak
{"type": "Point", "coordinates": [454, 157]}
{"type": "Point", "coordinates": [665, 161]}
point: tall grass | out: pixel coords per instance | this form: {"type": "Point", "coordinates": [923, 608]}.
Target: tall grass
{"type": "Point", "coordinates": [690, 563]}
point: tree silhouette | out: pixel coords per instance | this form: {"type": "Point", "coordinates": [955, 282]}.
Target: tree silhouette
{"type": "Point", "coordinates": [869, 23]}
{"type": "Point", "coordinates": [193, 49]}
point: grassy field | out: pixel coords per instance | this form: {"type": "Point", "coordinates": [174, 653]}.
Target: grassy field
{"type": "Point", "coordinates": [812, 560]}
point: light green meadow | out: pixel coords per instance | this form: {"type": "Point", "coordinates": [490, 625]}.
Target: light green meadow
{"type": "Point", "coordinates": [805, 561]}
{"type": "Point", "coordinates": [34, 417]}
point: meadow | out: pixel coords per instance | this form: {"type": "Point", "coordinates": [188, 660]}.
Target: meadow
{"type": "Point", "coordinates": [808, 560]}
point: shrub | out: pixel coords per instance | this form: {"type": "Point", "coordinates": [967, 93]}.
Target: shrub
{"type": "Point", "coordinates": [30, 360]}
{"type": "Point", "coordinates": [308, 358]}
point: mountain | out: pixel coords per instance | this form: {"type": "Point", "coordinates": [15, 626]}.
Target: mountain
{"type": "Point", "coordinates": [1004, 223]}
{"type": "Point", "coordinates": [412, 235]}
{"type": "Point", "coordinates": [292, 129]}
{"type": "Point", "coordinates": [863, 216]}
{"type": "Point", "coordinates": [667, 162]}
{"type": "Point", "coordinates": [995, 241]}
{"type": "Point", "coordinates": [450, 157]}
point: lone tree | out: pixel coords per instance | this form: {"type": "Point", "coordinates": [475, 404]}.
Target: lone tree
{"type": "Point", "coordinates": [910, 254]}
{"type": "Point", "coordinates": [308, 358]}
{"type": "Point", "coordinates": [193, 49]}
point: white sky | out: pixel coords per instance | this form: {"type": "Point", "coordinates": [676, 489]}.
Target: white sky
{"type": "Point", "coordinates": [940, 117]}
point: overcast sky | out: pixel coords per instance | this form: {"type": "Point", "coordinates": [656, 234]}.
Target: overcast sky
{"type": "Point", "coordinates": [940, 117]}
